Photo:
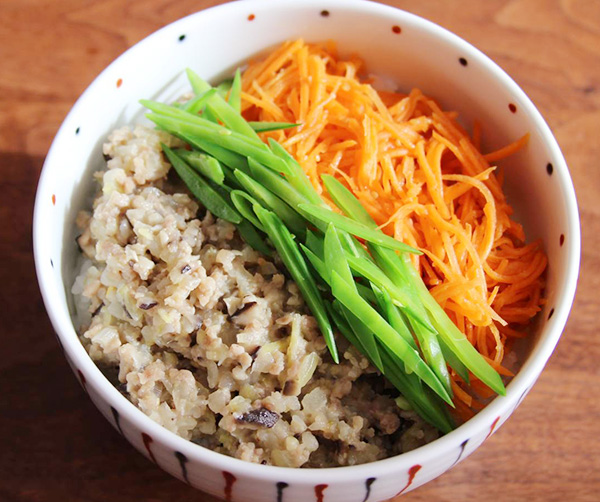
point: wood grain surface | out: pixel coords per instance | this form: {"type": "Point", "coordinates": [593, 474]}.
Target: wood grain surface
{"type": "Point", "coordinates": [55, 446]}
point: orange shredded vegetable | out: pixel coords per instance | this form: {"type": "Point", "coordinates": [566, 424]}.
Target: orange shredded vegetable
{"type": "Point", "coordinates": [424, 181]}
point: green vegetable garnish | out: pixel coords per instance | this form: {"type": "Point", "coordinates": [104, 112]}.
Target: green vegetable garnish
{"type": "Point", "coordinates": [210, 198]}
{"type": "Point", "coordinates": [312, 212]}
{"type": "Point", "coordinates": [205, 164]}
{"type": "Point", "coordinates": [453, 339]}
{"type": "Point", "coordinates": [371, 292]}
{"type": "Point", "coordinates": [292, 258]}
{"type": "Point", "coordinates": [271, 126]}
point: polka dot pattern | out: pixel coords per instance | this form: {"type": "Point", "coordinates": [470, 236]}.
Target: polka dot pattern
{"type": "Point", "coordinates": [281, 486]}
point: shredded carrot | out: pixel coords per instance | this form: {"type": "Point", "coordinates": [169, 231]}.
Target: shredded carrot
{"type": "Point", "coordinates": [422, 178]}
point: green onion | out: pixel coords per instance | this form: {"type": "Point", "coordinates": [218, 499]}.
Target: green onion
{"type": "Point", "coordinates": [453, 361]}
{"type": "Point", "coordinates": [292, 258]}
{"type": "Point", "coordinates": [366, 293]}
{"type": "Point", "coordinates": [253, 238]}
{"type": "Point", "coordinates": [315, 243]}
{"type": "Point", "coordinates": [224, 156]}
{"type": "Point", "coordinates": [210, 198]}
{"type": "Point", "coordinates": [277, 183]}
{"type": "Point", "coordinates": [427, 341]}
{"type": "Point", "coordinates": [374, 274]}
{"type": "Point", "coordinates": [271, 126]}
{"type": "Point", "coordinates": [223, 110]}
{"type": "Point", "coordinates": [291, 219]}
{"type": "Point", "coordinates": [218, 135]}
{"type": "Point", "coordinates": [386, 334]}
{"type": "Point", "coordinates": [205, 164]}
{"type": "Point", "coordinates": [192, 119]}
{"type": "Point", "coordinates": [424, 402]}
{"type": "Point", "coordinates": [311, 212]}
{"type": "Point", "coordinates": [390, 312]}
{"type": "Point", "coordinates": [343, 326]}
{"type": "Point", "coordinates": [197, 103]}
{"type": "Point", "coordinates": [295, 174]}
{"type": "Point", "coordinates": [366, 337]}
{"type": "Point", "coordinates": [199, 85]}
{"type": "Point", "coordinates": [374, 295]}
{"type": "Point", "coordinates": [317, 263]}
{"type": "Point", "coordinates": [452, 337]}
{"type": "Point", "coordinates": [235, 92]}
{"type": "Point", "coordinates": [224, 88]}
{"type": "Point", "coordinates": [334, 256]}
{"type": "Point", "coordinates": [245, 204]}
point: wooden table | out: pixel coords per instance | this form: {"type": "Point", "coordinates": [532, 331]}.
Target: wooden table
{"type": "Point", "coordinates": [56, 446]}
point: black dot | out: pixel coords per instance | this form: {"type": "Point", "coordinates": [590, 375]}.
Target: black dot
{"type": "Point", "coordinates": [77, 131]}
{"type": "Point", "coordinates": [51, 263]}
{"type": "Point", "coordinates": [463, 61]}
{"type": "Point", "coordinates": [325, 13]}
{"type": "Point", "coordinates": [181, 38]}
{"type": "Point", "coordinates": [549, 169]}
{"type": "Point", "coordinates": [561, 240]}
{"type": "Point", "coordinates": [551, 313]}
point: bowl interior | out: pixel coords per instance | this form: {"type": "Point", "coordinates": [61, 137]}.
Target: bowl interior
{"type": "Point", "coordinates": [399, 47]}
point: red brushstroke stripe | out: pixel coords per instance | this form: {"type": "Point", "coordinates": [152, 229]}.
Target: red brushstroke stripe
{"type": "Point", "coordinates": [82, 380]}
{"type": "Point", "coordinates": [319, 489]}
{"type": "Point", "coordinates": [412, 472]}
{"type": "Point", "coordinates": [147, 442]}
{"type": "Point", "coordinates": [230, 479]}
{"type": "Point", "coordinates": [494, 423]}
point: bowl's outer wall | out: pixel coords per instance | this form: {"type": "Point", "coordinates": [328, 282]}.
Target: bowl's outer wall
{"type": "Point", "coordinates": [245, 488]}
{"type": "Point", "coordinates": [423, 56]}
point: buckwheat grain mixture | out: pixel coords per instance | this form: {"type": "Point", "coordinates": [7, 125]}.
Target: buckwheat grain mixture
{"type": "Point", "coordinates": [209, 338]}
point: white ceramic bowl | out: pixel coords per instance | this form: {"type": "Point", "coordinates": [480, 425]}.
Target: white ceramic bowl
{"type": "Point", "coordinates": [408, 49]}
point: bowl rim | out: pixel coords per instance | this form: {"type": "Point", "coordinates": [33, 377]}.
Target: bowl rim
{"type": "Point", "coordinates": [519, 385]}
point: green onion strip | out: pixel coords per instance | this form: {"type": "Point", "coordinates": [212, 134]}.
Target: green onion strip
{"type": "Point", "coordinates": [370, 293]}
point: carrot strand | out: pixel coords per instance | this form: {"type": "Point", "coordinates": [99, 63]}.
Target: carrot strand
{"type": "Point", "coordinates": [422, 178]}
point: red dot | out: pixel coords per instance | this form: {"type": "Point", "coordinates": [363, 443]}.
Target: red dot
{"type": "Point", "coordinates": [396, 29]}
{"type": "Point", "coordinates": [53, 200]}
{"type": "Point", "coordinates": [512, 107]}
{"type": "Point", "coordinates": [561, 241]}
{"type": "Point", "coordinates": [325, 13]}
{"type": "Point", "coordinates": [119, 83]}
{"type": "Point", "coordinates": [251, 17]}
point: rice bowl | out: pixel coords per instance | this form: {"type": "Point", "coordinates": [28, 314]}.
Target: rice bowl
{"type": "Point", "coordinates": [477, 429]}
{"type": "Point", "coordinates": [208, 337]}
